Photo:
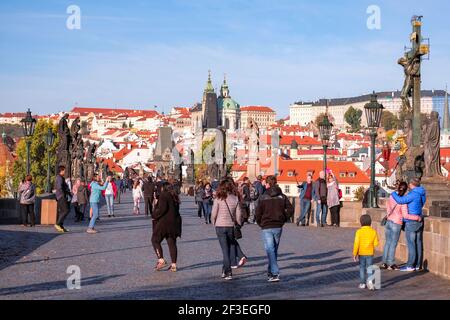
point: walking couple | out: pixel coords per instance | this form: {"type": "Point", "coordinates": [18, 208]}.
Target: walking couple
{"type": "Point", "coordinates": [272, 212]}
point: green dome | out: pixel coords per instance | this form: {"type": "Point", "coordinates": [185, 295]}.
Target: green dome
{"type": "Point", "coordinates": [228, 104]}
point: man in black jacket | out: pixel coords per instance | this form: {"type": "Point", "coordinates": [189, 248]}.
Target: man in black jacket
{"type": "Point", "coordinates": [273, 211]}
{"type": "Point", "coordinates": [320, 196]}
{"type": "Point", "coordinates": [62, 194]}
{"type": "Point", "coordinates": [149, 191]}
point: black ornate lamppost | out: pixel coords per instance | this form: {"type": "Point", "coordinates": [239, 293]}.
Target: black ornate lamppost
{"type": "Point", "coordinates": [325, 128]}
{"type": "Point", "coordinates": [49, 140]}
{"type": "Point", "coordinates": [28, 125]}
{"type": "Point", "coordinates": [374, 111]}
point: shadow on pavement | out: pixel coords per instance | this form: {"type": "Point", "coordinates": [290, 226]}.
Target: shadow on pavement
{"type": "Point", "coordinates": [55, 285]}
{"type": "Point", "coordinates": [16, 244]}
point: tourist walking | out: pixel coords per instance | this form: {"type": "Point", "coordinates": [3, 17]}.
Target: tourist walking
{"type": "Point", "coordinates": [96, 192]}
{"type": "Point", "coordinates": [149, 195]}
{"type": "Point", "coordinates": [273, 211]}
{"type": "Point", "coordinates": [110, 193]}
{"type": "Point", "coordinates": [27, 196]}
{"type": "Point", "coordinates": [83, 199]}
{"type": "Point", "coordinates": [306, 195]}
{"type": "Point", "coordinates": [393, 227]}
{"type": "Point", "coordinates": [366, 240]}
{"type": "Point", "coordinates": [119, 189]}
{"type": "Point", "coordinates": [62, 198]}
{"type": "Point", "coordinates": [320, 197]}
{"type": "Point", "coordinates": [226, 216]}
{"type": "Point", "coordinates": [415, 200]}
{"type": "Point", "coordinates": [138, 195]}
{"type": "Point", "coordinates": [208, 202]}
{"type": "Point", "coordinates": [245, 199]}
{"type": "Point", "coordinates": [74, 200]}
{"type": "Point", "coordinates": [199, 193]}
{"type": "Point", "coordinates": [334, 199]}
{"type": "Point", "coordinates": [167, 225]}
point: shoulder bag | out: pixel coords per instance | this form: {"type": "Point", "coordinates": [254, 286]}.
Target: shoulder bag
{"type": "Point", "coordinates": [237, 228]}
{"type": "Point", "coordinates": [384, 220]}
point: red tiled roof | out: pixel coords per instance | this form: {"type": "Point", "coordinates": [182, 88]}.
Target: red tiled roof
{"type": "Point", "coordinates": [302, 141]}
{"type": "Point", "coordinates": [330, 152]}
{"type": "Point", "coordinates": [111, 112]}
{"type": "Point", "coordinates": [302, 167]}
{"type": "Point", "coordinates": [257, 108]}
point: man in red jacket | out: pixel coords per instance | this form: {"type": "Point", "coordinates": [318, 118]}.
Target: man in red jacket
{"type": "Point", "coordinates": [273, 211]}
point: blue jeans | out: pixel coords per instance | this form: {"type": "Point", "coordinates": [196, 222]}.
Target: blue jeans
{"type": "Point", "coordinates": [207, 209]}
{"type": "Point", "coordinates": [305, 206]}
{"type": "Point", "coordinates": [94, 206]}
{"type": "Point", "coordinates": [414, 239]}
{"type": "Point", "coordinates": [364, 263]}
{"type": "Point", "coordinates": [321, 208]}
{"type": "Point", "coordinates": [110, 204]}
{"type": "Point", "coordinates": [392, 234]}
{"type": "Point", "coordinates": [271, 238]}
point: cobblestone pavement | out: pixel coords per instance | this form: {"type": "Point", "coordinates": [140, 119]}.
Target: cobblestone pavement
{"type": "Point", "coordinates": [117, 263]}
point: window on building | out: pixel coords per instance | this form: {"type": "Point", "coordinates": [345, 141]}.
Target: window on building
{"type": "Point", "coordinates": [347, 190]}
{"type": "Point", "coordinates": [351, 174]}
{"type": "Point", "coordinates": [290, 174]}
{"type": "Point", "coordinates": [287, 189]}
{"type": "Point", "coordinates": [342, 175]}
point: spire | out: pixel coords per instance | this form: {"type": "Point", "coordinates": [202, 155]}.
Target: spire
{"type": "Point", "coordinates": [446, 124]}
{"type": "Point", "coordinates": [209, 86]}
{"type": "Point", "coordinates": [224, 91]}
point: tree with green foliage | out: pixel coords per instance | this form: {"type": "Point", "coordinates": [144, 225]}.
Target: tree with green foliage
{"type": "Point", "coordinates": [359, 194]}
{"type": "Point", "coordinates": [38, 157]}
{"type": "Point", "coordinates": [389, 120]}
{"type": "Point", "coordinates": [353, 117]}
{"type": "Point", "coordinates": [320, 117]}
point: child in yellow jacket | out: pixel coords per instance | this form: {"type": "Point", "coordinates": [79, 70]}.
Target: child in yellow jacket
{"type": "Point", "coordinates": [366, 239]}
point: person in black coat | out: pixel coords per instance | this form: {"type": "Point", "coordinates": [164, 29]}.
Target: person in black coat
{"type": "Point", "coordinates": [166, 225]}
{"type": "Point", "coordinates": [149, 195]}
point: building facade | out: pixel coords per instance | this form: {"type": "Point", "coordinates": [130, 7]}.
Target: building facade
{"type": "Point", "coordinates": [263, 116]}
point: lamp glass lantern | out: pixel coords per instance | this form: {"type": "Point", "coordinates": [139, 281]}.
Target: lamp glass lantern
{"type": "Point", "coordinates": [374, 112]}
{"type": "Point", "coordinates": [28, 124]}
{"type": "Point", "coordinates": [325, 128]}
{"type": "Point", "coordinates": [49, 137]}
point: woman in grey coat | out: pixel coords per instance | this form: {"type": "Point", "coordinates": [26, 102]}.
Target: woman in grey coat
{"type": "Point", "coordinates": [333, 199]}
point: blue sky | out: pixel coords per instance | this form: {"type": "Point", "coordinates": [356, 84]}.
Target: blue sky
{"type": "Point", "coordinates": [139, 54]}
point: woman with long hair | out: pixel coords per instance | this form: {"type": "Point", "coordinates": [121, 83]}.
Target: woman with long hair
{"type": "Point", "coordinates": [138, 195]}
{"type": "Point", "coordinates": [208, 201]}
{"type": "Point", "coordinates": [333, 200]}
{"type": "Point", "coordinates": [226, 212]}
{"type": "Point", "coordinates": [27, 196]}
{"type": "Point", "coordinates": [167, 225]}
{"type": "Point", "coordinates": [395, 215]}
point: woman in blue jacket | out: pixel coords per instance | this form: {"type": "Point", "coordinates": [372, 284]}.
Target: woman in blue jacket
{"type": "Point", "coordinates": [96, 193]}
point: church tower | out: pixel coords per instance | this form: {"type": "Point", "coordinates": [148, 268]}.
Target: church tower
{"type": "Point", "coordinates": [229, 110]}
{"type": "Point", "coordinates": [209, 106]}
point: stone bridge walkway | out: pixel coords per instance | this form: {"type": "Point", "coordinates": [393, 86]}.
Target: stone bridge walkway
{"type": "Point", "coordinates": [118, 262]}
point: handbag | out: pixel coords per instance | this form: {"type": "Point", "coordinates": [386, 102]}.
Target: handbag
{"type": "Point", "coordinates": [384, 220]}
{"type": "Point", "coordinates": [237, 228]}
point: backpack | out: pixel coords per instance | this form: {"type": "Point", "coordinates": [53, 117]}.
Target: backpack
{"type": "Point", "coordinates": [340, 193]}
{"type": "Point", "coordinates": [254, 194]}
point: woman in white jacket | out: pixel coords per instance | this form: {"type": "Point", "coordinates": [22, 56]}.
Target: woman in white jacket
{"type": "Point", "coordinates": [138, 195]}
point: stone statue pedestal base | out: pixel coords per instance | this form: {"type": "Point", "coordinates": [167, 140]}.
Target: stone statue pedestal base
{"type": "Point", "coordinates": [438, 196]}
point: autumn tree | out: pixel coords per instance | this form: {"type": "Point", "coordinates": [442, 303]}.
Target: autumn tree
{"type": "Point", "coordinates": [38, 157]}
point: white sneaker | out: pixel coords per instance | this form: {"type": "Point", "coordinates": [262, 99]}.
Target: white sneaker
{"type": "Point", "coordinates": [370, 286]}
{"type": "Point", "coordinates": [362, 286]}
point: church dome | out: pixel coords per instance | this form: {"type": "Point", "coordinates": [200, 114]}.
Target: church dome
{"type": "Point", "coordinates": [228, 104]}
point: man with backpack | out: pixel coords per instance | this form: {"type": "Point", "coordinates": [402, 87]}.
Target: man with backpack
{"type": "Point", "coordinates": [27, 195]}
{"type": "Point", "coordinates": [273, 211]}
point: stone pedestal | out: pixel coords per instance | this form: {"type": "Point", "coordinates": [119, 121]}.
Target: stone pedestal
{"type": "Point", "coordinates": [48, 212]}
{"type": "Point", "coordinates": [438, 197]}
